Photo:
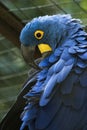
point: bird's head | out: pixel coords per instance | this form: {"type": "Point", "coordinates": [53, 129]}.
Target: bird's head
{"type": "Point", "coordinates": [43, 34]}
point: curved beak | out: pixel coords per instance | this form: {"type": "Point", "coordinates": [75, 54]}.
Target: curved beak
{"type": "Point", "coordinates": [31, 53]}
{"type": "Point", "coordinates": [28, 55]}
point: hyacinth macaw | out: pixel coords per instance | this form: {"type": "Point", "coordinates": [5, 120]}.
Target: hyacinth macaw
{"type": "Point", "coordinates": [55, 97]}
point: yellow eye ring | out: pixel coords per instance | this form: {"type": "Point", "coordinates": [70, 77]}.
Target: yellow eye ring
{"type": "Point", "coordinates": [39, 34]}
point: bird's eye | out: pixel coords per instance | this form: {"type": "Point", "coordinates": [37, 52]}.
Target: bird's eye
{"type": "Point", "coordinates": [39, 34]}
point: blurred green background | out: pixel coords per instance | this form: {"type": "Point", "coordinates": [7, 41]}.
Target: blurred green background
{"type": "Point", "coordinates": [13, 70]}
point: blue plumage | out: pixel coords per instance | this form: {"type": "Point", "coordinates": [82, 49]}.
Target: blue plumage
{"type": "Point", "coordinates": [62, 84]}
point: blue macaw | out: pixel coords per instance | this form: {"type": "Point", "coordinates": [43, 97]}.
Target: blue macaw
{"type": "Point", "coordinates": [56, 93]}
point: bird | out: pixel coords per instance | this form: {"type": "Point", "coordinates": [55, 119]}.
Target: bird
{"type": "Point", "coordinates": [55, 95]}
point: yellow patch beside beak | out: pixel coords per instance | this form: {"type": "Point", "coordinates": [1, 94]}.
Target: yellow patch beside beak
{"type": "Point", "coordinates": [44, 48]}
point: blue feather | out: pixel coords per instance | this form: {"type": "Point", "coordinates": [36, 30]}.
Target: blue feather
{"type": "Point", "coordinates": [44, 63]}
{"type": "Point", "coordinates": [58, 51]}
{"type": "Point", "coordinates": [83, 56]}
{"type": "Point", "coordinates": [81, 50]}
{"type": "Point", "coordinates": [82, 46]}
{"type": "Point", "coordinates": [72, 50]}
{"type": "Point", "coordinates": [81, 64]}
{"type": "Point", "coordinates": [83, 79]}
{"type": "Point", "coordinates": [78, 70]}
{"type": "Point", "coordinates": [57, 67]}
{"type": "Point", "coordinates": [64, 73]}
{"type": "Point", "coordinates": [23, 125]}
{"type": "Point", "coordinates": [53, 58]}
{"type": "Point", "coordinates": [38, 87]}
{"type": "Point", "coordinates": [65, 55]}
{"type": "Point", "coordinates": [75, 27]}
{"type": "Point", "coordinates": [80, 39]}
{"type": "Point", "coordinates": [84, 42]}
{"type": "Point", "coordinates": [42, 75]}
{"type": "Point", "coordinates": [69, 62]}
{"type": "Point", "coordinates": [80, 33]}
{"type": "Point", "coordinates": [30, 113]}
{"type": "Point", "coordinates": [48, 89]}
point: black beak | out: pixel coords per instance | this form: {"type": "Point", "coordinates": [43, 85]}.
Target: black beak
{"type": "Point", "coordinates": [29, 56]}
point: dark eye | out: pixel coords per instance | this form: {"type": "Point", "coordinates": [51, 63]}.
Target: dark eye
{"type": "Point", "coordinates": [39, 34]}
